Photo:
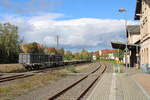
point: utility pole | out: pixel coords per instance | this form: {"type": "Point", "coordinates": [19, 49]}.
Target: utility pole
{"type": "Point", "coordinates": [57, 39]}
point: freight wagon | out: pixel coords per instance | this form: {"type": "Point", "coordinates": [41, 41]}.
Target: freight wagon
{"type": "Point", "coordinates": [35, 61]}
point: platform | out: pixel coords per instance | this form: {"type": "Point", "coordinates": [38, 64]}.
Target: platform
{"type": "Point", "coordinates": [117, 87]}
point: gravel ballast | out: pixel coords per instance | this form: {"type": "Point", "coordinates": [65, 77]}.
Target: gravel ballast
{"type": "Point", "coordinates": [45, 92]}
{"type": "Point", "coordinates": [76, 91]}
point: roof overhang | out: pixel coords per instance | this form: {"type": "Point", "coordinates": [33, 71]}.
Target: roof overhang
{"type": "Point", "coordinates": [122, 46]}
{"type": "Point", "coordinates": [132, 29]}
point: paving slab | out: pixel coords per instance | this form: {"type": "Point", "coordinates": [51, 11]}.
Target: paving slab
{"type": "Point", "coordinates": [102, 90]}
{"type": "Point", "coordinates": [128, 89]}
{"type": "Point", "coordinates": [117, 87]}
{"type": "Point", "coordinates": [143, 80]}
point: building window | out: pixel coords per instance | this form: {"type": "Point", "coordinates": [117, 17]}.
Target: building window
{"type": "Point", "coordinates": [142, 57]}
{"type": "Point", "coordinates": [147, 56]}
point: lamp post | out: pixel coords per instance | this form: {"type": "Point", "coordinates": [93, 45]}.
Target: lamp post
{"type": "Point", "coordinates": [122, 10]}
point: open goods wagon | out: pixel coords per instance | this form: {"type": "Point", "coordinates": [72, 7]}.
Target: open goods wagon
{"type": "Point", "coordinates": [35, 61]}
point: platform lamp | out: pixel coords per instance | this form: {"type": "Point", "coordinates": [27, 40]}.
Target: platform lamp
{"type": "Point", "coordinates": [122, 10]}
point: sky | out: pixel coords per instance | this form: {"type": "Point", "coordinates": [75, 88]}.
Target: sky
{"type": "Point", "coordinates": [88, 24]}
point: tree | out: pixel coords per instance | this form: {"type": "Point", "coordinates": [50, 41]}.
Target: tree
{"type": "Point", "coordinates": [52, 51]}
{"type": "Point", "coordinates": [61, 51]}
{"type": "Point", "coordinates": [77, 55]}
{"type": "Point", "coordinates": [9, 43]}
{"type": "Point", "coordinates": [119, 54]}
{"type": "Point", "coordinates": [32, 48]}
{"type": "Point", "coordinates": [97, 56]}
{"type": "Point", "coordinates": [68, 55]}
{"type": "Point", "coordinates": [85, 55]}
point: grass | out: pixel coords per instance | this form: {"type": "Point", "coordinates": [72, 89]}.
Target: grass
{"type": "Point", "coordinates": [9, 68]}
{"type": "Point", "coordinates": [76, 69]}
{"type": "Point", "coordinates": [25, 85]}
{"type": "Point", "coordinates": [71, 69]}
{"type": "Point", "coordinates": [84, 67]}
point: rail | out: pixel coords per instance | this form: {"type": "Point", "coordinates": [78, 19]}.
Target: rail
{"type": "Point", "coordinates": [77, 82]}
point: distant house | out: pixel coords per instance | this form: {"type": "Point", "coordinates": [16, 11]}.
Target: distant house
{"type": "Point", "coordinates": [94, 55]}
{"type": "Point", "coordinates": [105, 54]}
{"type": "Point", "coordinates": [109, 53]}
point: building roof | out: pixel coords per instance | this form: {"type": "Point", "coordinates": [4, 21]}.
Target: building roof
{"type": "Point", "coordinates": [122, 46]}
{"type": "Point", "coordinates": [95, 53]}
{"type": "Point", "coordinates": [138, 9]}
{"type": "Point", "coordinates": [106, 51]}
{"type": "Point", "coordinates": [133, 29]}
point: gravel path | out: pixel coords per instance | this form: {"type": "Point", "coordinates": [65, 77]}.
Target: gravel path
{"type": "Point", "coordinates": [45, 92]}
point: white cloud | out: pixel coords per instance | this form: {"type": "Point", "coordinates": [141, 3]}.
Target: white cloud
{"type": "Point", "coordinates": [75, 33]}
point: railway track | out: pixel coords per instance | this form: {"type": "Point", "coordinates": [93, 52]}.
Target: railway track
{"type": "Point", "coordinates": [9, 78]}
{"type": "Point", "coordinates": [53, 68]}
{"type": "Point", "coordinates": [14, 77]}
{"type": "Point", "coordinates": [61, 94]}
{"type": "Point", "coordinates": [20, 76]}
{"type": "Point", "coordinates": [47, 70]}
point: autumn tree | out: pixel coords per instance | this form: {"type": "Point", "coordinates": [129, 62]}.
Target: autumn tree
{"type": "Point", "coordinates": [97, 56]}
{"type": "Point", "coordinates": [85, 55]}
{"type": "Point", "coordinates": [50, 51]}
{"type": "Point", "coordinates": [77, 55]}
{"type": "Point", "coordinates": [119, 54]}
{"type": "Point", "coordinates": [61, 51]}
{"type": "Point", "coordinates": [9, 43]}
{"type": "Point", "coordinates": [68, 55]}
{"type": "Point", "coordinates": [32, 48]}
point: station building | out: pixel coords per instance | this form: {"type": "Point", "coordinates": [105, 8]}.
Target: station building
{"type": "Point", "coordinates": [132, 46]}
{"type": "Point", "coordinates": [142, 14]}
{"type": "Point", "coordinates": [138, 36]}
{"type": "Point", "coordinates": [133, 37]}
